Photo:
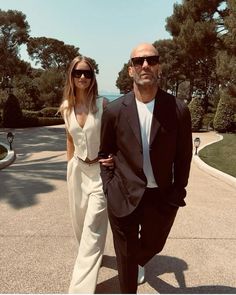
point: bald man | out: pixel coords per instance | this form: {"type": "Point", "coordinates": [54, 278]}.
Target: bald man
{"type": "Point", "coordinates": [149, 133]}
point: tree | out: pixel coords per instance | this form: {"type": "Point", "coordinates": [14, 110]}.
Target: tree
{"type": "Point", "coordinates": [14, 31]}
{"type": "Point", "coordinates": [12, 114]}
{"type": "Point", "coordinates": [124, 82]}
{"type": "Point", "coordinates": [50, 84]}
{"type": "Point", "coordinates": [224, 117]}
{"type": "Point", "coordinates": [27, 91]}
{"type": "Point", "coordinates": [51, 53]}
{"type": "Point", "coordinates": [171, 64]}
{"type": "Point", "coordinates": [195, 27]}
{"type": "Point", "coordinates": [197, 112]}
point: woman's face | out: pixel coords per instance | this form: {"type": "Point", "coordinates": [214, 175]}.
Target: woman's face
{"type": "Point", "coordinates": [82, 75]}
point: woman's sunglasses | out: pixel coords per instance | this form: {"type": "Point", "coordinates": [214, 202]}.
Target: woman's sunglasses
{"type": "Point", "coordinates": [151, 60]}
{"type": "Point", "coordinates": [78, 73]}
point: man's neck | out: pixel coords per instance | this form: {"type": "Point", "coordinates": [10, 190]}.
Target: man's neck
{"type": "Point", "coordinates": [145, 94]}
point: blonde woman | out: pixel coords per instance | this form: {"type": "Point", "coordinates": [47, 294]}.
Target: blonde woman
{"type": "Point", "coordinates": [82, 109]}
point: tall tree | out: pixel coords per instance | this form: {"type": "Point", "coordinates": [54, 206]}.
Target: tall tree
{"type": "Point", "coordinates": [14, 31]}
{"type": "Point", "coordinates": [195, 27]}
{"type": "Point", "coordinates": [171, 64]}
{"type": "Point", "coordinates": [51, 53]}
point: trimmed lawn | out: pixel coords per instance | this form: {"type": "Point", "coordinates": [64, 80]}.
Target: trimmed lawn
{"type": "Point", "coordinates": [221, 155]}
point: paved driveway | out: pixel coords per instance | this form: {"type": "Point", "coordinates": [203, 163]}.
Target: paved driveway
{"type": "Point", "coordinates": [36, 239]}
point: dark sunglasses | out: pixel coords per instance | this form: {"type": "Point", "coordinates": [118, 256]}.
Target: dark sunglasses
{"type": "Point", "coordinates": [78, 73]}
{"type": "Point", "coordinates": [151, 60]}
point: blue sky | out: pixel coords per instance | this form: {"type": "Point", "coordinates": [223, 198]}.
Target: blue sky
{"type": "Point", "coordinates": [106, 30]}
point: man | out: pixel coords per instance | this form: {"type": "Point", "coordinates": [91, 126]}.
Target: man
{"type": "Point", "coordinates": [149, 133]}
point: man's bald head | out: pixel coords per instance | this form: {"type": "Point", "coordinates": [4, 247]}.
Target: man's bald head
{"type": "Point", "coordinates": [144, 49]}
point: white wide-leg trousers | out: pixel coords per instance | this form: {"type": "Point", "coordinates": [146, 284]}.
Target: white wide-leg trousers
{"type": "Point", "coordinates": [89, 219]}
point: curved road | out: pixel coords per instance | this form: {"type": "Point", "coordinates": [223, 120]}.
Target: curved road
{"type": "Point", "coordinates": [36, 239]}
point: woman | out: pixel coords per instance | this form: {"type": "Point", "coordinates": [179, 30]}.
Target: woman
{"type": "Point", "coordinates": [82, 109]}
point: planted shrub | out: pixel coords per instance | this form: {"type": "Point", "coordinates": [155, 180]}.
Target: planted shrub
{"type": "Point", "coordinates": [12, 114]}
{"type": "Point", "coordinates": [224, 117]}
{"type": "Point", "coordinates": [50, 112]}
{"type": "Point", "coordinates": [197, 112]}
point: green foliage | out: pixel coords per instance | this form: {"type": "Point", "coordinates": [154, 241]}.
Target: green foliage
{"type": "Point", "coordinates": [197, 112]}
{"type": "Point", "coordinates": [27, 91]}
{"type": "Point", "coordinates": [3, 152]}
{"type": "Point", "coordinates": [43, 121]}
{"type": "Point", "coordinates": [195, 27]}
{"type": "Point", "coordinates": [50, 85]}
{"type": "Point", "coordinates": [51, 53]}
{"type": "Point", "coordinates": [171, 65]}
{"type": "Point", "coordinates": [124, 82]}
{"type": "Point", "coordinates": [12, 114]}
{"type": "Point", "coordinates": [207, 121]}
{"type": "Point", "coordinates": [224, 117]}
{"type": "Point", "coordinates": [14, 31]}
{"type": "Point", "coordinates": [44, 117]}
{"type": "Point", "coordinates": [50, 112]}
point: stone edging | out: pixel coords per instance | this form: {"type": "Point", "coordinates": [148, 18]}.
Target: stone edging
{"type": "Point", "coordinates": [212, 171]}
{"type": "Point", "coordinates": [9, 159]}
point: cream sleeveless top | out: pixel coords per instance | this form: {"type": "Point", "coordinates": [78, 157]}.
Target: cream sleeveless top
{"type": "Point", "coordinates": [87, 139]}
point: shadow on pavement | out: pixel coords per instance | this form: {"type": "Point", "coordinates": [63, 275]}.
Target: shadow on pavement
{"type": "Point", "coordinates": [22, 182]}
{"type": "Point", "coordinates": [157, 266]}
{"type": "Point", "coordinates": [28, 177]}
{"type": "Point", "coordinates": [37, 139]}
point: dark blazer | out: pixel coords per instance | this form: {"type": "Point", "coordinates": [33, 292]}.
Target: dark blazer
{"type": "Point", "coordinates": [170, 151]}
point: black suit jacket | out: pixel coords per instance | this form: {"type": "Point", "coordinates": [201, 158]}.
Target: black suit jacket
{"type": "Point", "coordinates": [170, 151]}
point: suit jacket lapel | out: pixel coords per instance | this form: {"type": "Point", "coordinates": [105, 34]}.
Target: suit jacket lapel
{"type": "Point", "coordinates": [131, 114]}
{"type": "Point", "coordinates": [155, 123]}
{"type": "Point", "coordinates": [164, 114]}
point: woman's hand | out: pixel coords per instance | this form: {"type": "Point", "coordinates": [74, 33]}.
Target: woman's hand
{"type": "Point", "coordinates": [108, 162]}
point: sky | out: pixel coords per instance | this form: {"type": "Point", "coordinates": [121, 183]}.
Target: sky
{"type": "Point", "coordinates": [105, 30]}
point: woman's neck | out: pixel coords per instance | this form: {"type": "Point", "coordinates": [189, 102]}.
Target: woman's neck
{"type": "Point", "coordinates": [81, 97]}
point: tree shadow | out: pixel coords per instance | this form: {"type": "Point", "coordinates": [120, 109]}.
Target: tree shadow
{"type": "Point", "coordinates": [36, 139]}
{"type": "Point", "coordinates": [21, 183]}
{"type": "Point", "coordinates": [157, 266]}
{"type": "Point", "coordinates": [27, 177]}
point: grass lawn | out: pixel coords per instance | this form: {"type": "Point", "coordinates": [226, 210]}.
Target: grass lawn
{"type": "Point", "coordinates": [221, 155]}
{"type": "Point", "coordinates": [3, 152]}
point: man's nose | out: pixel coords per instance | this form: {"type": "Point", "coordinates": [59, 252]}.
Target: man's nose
{"type": "Point", "coordinates": [145, 63]}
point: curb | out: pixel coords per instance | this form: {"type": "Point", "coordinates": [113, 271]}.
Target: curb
{"type": "Point", "coordinates": [9, 159]}
{"type": "Point", "coordinates": [212, 171]}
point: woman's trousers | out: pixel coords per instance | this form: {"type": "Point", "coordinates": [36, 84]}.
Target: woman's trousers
{"type": "Point", "coordinates": [89, 219]}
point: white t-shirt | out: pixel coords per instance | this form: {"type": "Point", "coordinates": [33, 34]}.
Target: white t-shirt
{"type": "Point", "coordinates": [145, 113]}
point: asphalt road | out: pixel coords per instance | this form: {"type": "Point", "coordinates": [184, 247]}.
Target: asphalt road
{"type": "Point", "coordinates": [38, 249]}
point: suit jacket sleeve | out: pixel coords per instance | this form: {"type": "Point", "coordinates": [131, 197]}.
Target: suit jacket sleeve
{"type": "Point", "coordinates": [183, 153]}
{"type": "Point", "coordinates": [107, 144]}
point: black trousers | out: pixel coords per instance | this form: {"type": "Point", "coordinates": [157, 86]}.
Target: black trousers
{"type": "Point", "coordinates": [140, 235]}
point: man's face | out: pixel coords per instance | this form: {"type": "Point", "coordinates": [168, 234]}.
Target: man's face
{"type": "Point", "coordinates": [145, 67]}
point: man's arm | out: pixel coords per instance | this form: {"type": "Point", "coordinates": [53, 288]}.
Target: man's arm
{"type": "Point", "coordinates": [107, 145]}
{"type": "Point", "coordinates": [183, 155]}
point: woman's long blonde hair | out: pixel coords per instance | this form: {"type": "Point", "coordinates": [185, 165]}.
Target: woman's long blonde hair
{"type": "Point", "coordinates": [69, 89]}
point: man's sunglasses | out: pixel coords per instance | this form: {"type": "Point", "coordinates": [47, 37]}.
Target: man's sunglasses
{"type": "Point", "coordinates": [151, 60]}
{"type": "Point", "coordinates": [78, 73]}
